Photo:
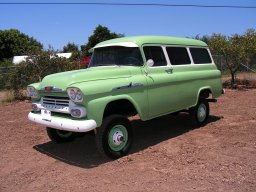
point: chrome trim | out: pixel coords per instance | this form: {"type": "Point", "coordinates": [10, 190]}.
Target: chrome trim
{"type": "Point", "coordinates": [64, 124]}
{"type": "Point", "coordinates": [129, 86]}
{"type": "Point", "coordinates": [54, 89]}
{"type": "Point", "coordinates": [55, 101]}
{"type": "Point", "coordinates": [52, 105]}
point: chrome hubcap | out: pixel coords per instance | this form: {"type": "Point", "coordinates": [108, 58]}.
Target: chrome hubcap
{"type": "Point", "coordinates": [201, 113]}
{"type": "Point", "coordinates": [118, 138]}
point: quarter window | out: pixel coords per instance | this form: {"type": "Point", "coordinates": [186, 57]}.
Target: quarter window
{"type": "Point", "coordinates": [156, 54]}
{"type": "Point", "coordinates": [178, 55]}
{"type": "Point", "coordinates": [200, 55]}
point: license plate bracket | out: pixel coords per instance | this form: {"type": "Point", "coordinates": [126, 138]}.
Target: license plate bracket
{"type": "Point", "coordinates": [46, 115]}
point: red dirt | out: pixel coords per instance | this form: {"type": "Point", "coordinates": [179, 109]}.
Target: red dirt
{"type": "Point", "coordinates": [168, 154]}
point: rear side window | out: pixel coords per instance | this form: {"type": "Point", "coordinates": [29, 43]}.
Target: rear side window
{"type": "Point", "coordinates": [200, 55]}
{"type": "Point", "coordinates": [178, 55]}
{"type": "Point", "coordinates": [156, 54]}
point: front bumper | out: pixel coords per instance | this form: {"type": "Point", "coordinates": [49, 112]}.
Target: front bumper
{"type": "Point", "coordinates": [64, 124]}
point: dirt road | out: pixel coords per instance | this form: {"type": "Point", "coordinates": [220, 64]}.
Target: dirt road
{"type": "Point", "coordinates": [168, 154]}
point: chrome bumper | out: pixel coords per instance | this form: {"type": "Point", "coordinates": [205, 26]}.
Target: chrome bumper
{"type": "Point", "coordinates": [64, 124]}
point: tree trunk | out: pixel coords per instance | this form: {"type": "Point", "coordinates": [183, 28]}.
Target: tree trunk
{"type": "Point", "coordinates": [233, 79]}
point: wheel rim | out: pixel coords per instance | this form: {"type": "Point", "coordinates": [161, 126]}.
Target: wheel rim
{"type": "Point", "coordinates": [201, 112]}
{"type": "Point", "coordinates": [117, 138]}
{"type": "Point", "coordinates": [63, 134]}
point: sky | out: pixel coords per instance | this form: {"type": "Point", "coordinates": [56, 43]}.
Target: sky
{"type": "Point", "coordinates": [57, 25]}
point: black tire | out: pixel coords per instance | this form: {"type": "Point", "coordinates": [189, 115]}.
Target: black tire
{"type": "Point", "coordinates": [59, 136]}
{"type": "Point", "coordinates": [114, 137]}
{"type": "Point", "coordinates": [200, 113]}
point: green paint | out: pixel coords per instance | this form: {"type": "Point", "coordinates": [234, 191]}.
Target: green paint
{"type": "Point", "coordinates": [113, 144]}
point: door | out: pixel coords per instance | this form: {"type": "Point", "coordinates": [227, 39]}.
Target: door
{"type": "Point", "coordinates": [159, 79]}
{"type": "Point", "coordinates": [168, 85]}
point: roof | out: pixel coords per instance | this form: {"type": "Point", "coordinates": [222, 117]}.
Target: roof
{"type": "Point", "coordinates": [19, 59]}
{"type": "Point", "coordinates": [65, 55]}
{"type": "Point", "coordinates": [165, 40]}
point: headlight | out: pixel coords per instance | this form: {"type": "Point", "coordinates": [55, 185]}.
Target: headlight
{"type": "Point", "coordinates": [72, 94]}
{"type": "Point", "coordinates": [75, 94]}
{"type": "Point", "coordinates": [79, 95]}
{"type": "Point", "coordinates": [32, 92]}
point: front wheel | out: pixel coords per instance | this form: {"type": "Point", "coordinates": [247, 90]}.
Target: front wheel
{"type": "Point", "coordinates": [200, 113]}
{"type": "Point", "coordinates": [114, 137]}
{"type": "Point", "coordinates": [60, 136]}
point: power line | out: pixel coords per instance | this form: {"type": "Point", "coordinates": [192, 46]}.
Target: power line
{"type": "Point", "coordinates": [131, 4]}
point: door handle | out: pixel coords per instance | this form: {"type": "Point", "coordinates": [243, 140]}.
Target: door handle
{"type": "Point", "coordinates": [169, 71]}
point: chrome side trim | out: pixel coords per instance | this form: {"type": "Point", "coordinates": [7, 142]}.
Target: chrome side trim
{"type": "Point", "coordinates": [53, 89]}
{"type": "Point", "coordinates": [129, 86]}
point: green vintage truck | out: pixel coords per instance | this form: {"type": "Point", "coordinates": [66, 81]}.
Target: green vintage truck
{"type": "Point", "coordinates": [146, 75]}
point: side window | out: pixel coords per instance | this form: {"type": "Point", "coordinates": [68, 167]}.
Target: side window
{"type": "Point", "coordinates": [200, 55]}
{"type": "Point", "coordinates": [178, 55]}
{"type": "Point", "coordinates": [156, 54]}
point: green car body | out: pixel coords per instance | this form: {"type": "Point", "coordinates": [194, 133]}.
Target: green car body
{"type": "Point", "coordinates": [128, 89]}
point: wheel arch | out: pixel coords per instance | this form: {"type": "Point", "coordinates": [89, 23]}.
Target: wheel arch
{"type": "Point", "coordinates": [100, 108]}
{"type": "Point", "coordinates": [203, 93]}
{"type": "Point", "coordinates": [121, 106]}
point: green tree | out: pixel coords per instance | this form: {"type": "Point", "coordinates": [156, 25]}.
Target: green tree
{"type": "Point", "coordinates": [13, 42]}
{"type": "Point", "coordinates": [6, 63]}
{"type": "Point", "coordinates": [204, 38]}
{"type": "Point", "coordinates": [73, 48]}
{"type": "Point", "coordinates": [236, 50]}
{"type": "Point", "coordinates": [100, 34]}
{"type": "Point", "coordinates": [70, 47]}
{"type": "Point", "coordinates": [250, 46]}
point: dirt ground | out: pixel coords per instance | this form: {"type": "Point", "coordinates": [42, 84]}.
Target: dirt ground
{"type": "Point", "coordinates": [168, 154]}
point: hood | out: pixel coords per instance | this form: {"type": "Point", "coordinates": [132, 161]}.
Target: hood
{"type": "Point", "coordinates": [67, 79]}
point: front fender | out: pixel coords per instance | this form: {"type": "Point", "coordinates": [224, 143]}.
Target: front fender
{"type": "Point", "coordinates": [97, 107]}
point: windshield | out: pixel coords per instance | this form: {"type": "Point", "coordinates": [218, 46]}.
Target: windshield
{"type": "Point", "coordinates": [116, 55]}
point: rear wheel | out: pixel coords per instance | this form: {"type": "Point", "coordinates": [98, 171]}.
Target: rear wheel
{"type": "Point", "coordinates": [114, 137]}
{"type": "Point", "coordinates": [60, 136]}
{"type": "Point", "coordinates": [200, 113]}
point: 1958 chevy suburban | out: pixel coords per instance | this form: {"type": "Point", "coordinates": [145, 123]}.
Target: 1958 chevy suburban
{"type": "Point", "coordinates": [146, 75]}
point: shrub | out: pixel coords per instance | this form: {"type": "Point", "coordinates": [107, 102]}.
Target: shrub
{"type": "Point", "coordinates": [6, 68]}
{"type": "Point", "coordinates": [36, 67]}
{"type": "Point", "coordinates": [247, 83]}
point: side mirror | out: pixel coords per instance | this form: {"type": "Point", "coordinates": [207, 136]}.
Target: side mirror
{"type": "Point", "coordinates": [150, 62]}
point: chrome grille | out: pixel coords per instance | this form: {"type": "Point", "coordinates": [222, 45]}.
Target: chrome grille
{"type": "Point", "coordinates": [56, 101]}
